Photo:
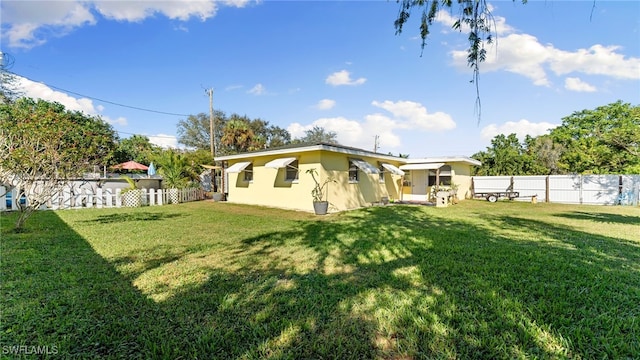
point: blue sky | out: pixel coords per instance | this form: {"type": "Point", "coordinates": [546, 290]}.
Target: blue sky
{"type": "Point", "coordinates": [335, 64]}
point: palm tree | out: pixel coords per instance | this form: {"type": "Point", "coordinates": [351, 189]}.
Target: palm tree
{"type": "Point", "coordinates": [175, 170]}
{"type": "Point", "coordinates": [238, 136]}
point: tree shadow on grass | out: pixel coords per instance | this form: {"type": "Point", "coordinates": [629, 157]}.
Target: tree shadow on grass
{"type": "Point", "coordinates": [602, 217]}
{"type": "Point", "coordinates": [475, 292]}
{"type": "Point", "coordinates": [134, 216]}
{"type": "Point", "coordinates": [385, 282]}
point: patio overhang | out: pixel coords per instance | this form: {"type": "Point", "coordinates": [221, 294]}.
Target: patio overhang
{"type": "Point", "coordinates": [424, 166]}
{"type": "Point", "coordinates": [365, 166]}
{"type": "Point", "coordinates": [280, 163]}
{"type": "Point", "coordinates": [392, 169]}
{"type": "Point", "coordinates": [238, 167]}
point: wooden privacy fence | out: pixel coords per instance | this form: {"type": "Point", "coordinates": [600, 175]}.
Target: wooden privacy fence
{"type": "Point", "coordinates": [567, 189]}
{"type": "Point", "coordinates": [106, 198]}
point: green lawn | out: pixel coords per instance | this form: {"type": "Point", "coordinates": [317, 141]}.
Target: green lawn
{"type": "Point", "coordinates": [215, 280]}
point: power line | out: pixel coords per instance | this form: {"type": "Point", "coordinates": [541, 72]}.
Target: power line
{"type": "Point", "coordinates": [101, 100]}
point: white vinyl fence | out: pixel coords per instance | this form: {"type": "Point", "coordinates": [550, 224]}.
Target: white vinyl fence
{"type": "Point", "coordinates": [567, 189]}
{"type": "Point", "coordinates": [70, 198]}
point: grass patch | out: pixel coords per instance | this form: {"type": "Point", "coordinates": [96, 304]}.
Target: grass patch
{"type": "Point", "coordinates": [215, 280]}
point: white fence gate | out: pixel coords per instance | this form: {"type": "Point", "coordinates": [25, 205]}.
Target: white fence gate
{"type": "Point", "coordinates": [70, 198]}
{"type": "Point", "coordinates": [567, 189]}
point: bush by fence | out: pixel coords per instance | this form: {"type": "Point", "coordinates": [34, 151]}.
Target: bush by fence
{"type": "Point", "coordinates": [568, 189]}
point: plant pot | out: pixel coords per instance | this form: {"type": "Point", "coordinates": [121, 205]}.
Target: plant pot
{"type": "Point", "coordinates": [132, 198]}
{"type": "Point", "coordinates": [174, 195]}
{"type": "Point", "coordinates": [321, 207]}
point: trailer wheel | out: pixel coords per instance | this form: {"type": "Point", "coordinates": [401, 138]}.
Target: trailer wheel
{"type": "Point", "coordinates": [492, 198]}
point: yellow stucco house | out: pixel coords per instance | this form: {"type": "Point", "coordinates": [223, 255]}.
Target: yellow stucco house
{"type": "Point", "coordinates": [278, 177]}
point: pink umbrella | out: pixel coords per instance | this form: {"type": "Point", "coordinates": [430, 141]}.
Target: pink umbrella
{"type": "Point", "coordinates": [130, 165]}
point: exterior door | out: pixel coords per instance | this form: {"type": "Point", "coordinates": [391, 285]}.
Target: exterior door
{"type": "Point", "coordinates": [419, 185]}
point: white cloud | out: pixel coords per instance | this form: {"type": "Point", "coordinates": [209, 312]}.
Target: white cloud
{"type": "Point", "coordinates": [134, 11]}
{"type": "Point", "coordinates": [352, 132]}
{"type": "Point", "coordinates": [233, 87]}
{"type": "Point", "coordinates": [259, 89]}
{"type": "Point", "coordinates": [25, 25]}
{"type": "Point", "coordinates": [343, 77]}
{"type": "Point", "coordinates": [22, 20]}
{"type": "Point", "coordinates": [164, 140]}
{"type": "Point", "coordinates": [325, 104]}
{"type": "Point", "coordinates": [521, 128]}
{"type": "Point", "coordinates": [525, 55]}
{"type": "Point", "coordinates": [413, 115]}
{"type": "Point", "coordinates": [41, 91]}
{"type": "Point", "coordinates": [575, 84]}
{"type": "Point", "coordinates": [596, 60]}
{"type": "Point", "coordinates": [407, 115]}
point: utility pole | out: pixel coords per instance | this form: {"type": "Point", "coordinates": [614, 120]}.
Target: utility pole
{"type": "Point", "coordinates": [212, 125]}
{"type": "Point", "coordinates": [212, 141]}
{"type": "Point", "coordinates": [376, 143]}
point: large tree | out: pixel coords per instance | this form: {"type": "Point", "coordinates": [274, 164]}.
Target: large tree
{"type": "Point", "coordinates": [43, 146]}
{"type": "Point", "coordinates": [605, 140]}
{"type": "Point", "coordinates": [545, 154]}
{"type": "Point", "coordinates": [137, 148]}
{"type": "Point", "coordinates": [270, 135]}
{"type": "Point", "coordinates": [195, 130]}
{"type": "Point", "coordinates": [316, 135]}
{"type": "Point", "coordinates": [505, 156]}
{"type": "Point", "coordinates": [239, 137]}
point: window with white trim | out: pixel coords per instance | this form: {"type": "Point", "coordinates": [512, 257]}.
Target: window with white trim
{"type": "Point", "coordinates": [248, 172]}
{"type": "Point", "coordinates": [353, 172]}
{"type": "Point", "coordinates": [382, 170]}
{"type": "Point", "coordinates": [445, 176]}
{"type": "Point", "coordinates": [291, 171]}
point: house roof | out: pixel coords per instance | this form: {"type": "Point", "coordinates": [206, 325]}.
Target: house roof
{"type": "Point", "coordinates": [291, 149]}
{"type": "Point", "coordinates": [445, 159]}
{"type": "Point", "coordinates": [297, 148]}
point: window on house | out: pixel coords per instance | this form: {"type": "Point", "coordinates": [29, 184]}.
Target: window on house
{"type": "Point", "coordinates": [291, 171]}
{"type": "Point", "coordinates": [353, 171]}
{"type": "Point", "coordinates": [382, 170]}
{"type": "Point", "coordinates": [445, 176]}
{"type": "Point", "coordinates": [248, 173]}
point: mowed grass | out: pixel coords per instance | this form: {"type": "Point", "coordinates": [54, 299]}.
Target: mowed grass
{"type": "Point", "coordinates": [214, 280]}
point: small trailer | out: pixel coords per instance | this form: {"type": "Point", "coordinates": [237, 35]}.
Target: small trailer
{"type": "Point", "coordinates": [495, 195]}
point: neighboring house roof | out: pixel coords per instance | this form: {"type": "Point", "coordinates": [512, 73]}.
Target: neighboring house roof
{"type": "Point", "coordinates": [298, 148]}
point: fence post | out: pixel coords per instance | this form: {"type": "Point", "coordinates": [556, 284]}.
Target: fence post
{"type": "Point", "coordinates": [55, 200]}
{"type": "Point", "coordinates": [89, 198]}
{"type": "Point", "coordinates": [160, 196]}
{"type": "Point", "coordinates": [118, 198]}
{"type": "Point", "coordinates": [546, 189]}
{"type": "Point", "coordinates": [99, 198]}
{"type": "Point", "coordinates": [66, 198]}
{"type": "Point", "coordinates": [152, 197]}
{"type": "Point", "coordinates": [581, 181]}
{"type": "Point", "coordinates": [3, 198]}
{"type": "Point", "coordinates": [108, 198]}
{"type": "Point", "coordinates": [620, 190]}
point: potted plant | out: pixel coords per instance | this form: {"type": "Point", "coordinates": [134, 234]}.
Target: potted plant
{"type": "Point", "coordinates": [175, 173]}
{"type": "Point", "coordinates": [131, 195]}
{"type": "Point", "coordinates": [320, 203]}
